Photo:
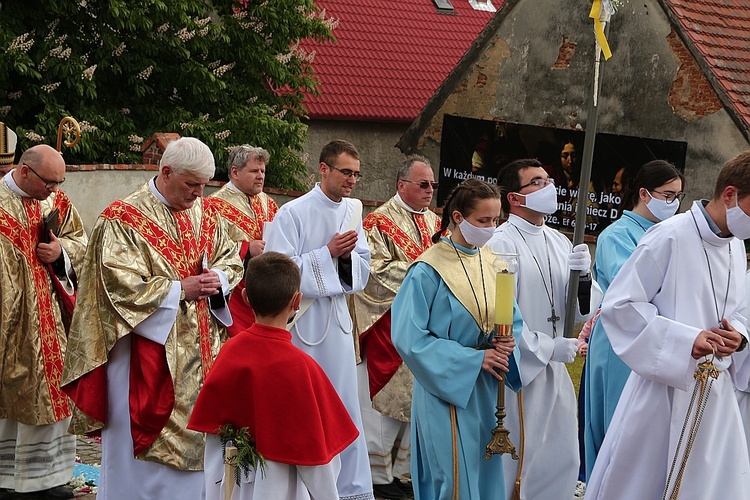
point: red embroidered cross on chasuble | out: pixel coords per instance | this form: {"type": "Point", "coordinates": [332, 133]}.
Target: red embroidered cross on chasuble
{"type": "Point", "coordinates": [25, 237]}
{"type": "Point", "coordinates": [382, 358]}
{"type": "Point", "coordinates": [151, 389]}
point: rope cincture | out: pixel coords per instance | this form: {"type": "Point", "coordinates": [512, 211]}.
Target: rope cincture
{"type": "Point", "coordinates": [704, 378]}
{"type": "Point", "coordinates": [522, 448]}
{"type": "Point", "coordinates": [454, 442]}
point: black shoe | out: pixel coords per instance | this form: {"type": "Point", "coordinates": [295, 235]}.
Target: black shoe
{"type": "Point", "coordinates": [404, 486]}
{"type": "Point", "coordinates": [388, 491]}
{"type": "Point", "coordinates": [56, 493]}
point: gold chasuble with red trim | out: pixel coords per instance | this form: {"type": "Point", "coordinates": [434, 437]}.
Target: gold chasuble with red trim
{"type": "Point", "coordinates": [396, 237]}
{"type": "Point", "coordinates": [139, 247]}
{"type": "Point", "coordinates": [32, 335]}
{"type": "Point", "coordinates": [246, 216]}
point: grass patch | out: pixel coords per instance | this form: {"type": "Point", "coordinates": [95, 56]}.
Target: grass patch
{"type": "Point", "coordinates": [575, 369]}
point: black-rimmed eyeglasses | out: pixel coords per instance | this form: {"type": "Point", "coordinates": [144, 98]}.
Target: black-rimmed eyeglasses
{"type": "Point", "coordinates": [347, 173]}
{"type": "Point", "coordinates": [540, 183]}
{"type": "Point", "coordinates": [423, 184]}
{"type": "Point", "coordinates": [670, 197]}
{"type": "Point", "coordinates": [48, 184]}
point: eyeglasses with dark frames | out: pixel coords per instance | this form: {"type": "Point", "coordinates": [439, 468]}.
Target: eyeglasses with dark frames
{"type": "Point", "coordinates": [670, 197]}
{"type": "Point", "coordinates": [423, 184]}
{"type": "Point", "coordinates": [540, 183]}
{"type": "Point", "coordinates": [346, 172]}
{"type": "Point", "coordinates": [48, 184]}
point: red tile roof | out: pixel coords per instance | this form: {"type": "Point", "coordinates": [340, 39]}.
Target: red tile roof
{"type": "Point", "coordinates": [390, 56]}
{"type": "Point", "coordinates": [720, 31]}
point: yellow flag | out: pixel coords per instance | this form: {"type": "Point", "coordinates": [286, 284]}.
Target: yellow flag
{"type": "Point", "coordinates": [596, 9]}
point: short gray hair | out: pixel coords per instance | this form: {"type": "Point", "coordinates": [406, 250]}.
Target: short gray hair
{"type": "Point", "coordinates": [239, 155]}
{"type": "Point", "coordinates": [408, 163]}
{"type": "Point", "coordinates": [188, 155]}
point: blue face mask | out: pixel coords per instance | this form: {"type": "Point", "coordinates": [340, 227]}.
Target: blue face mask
{"type": "Point", "coordinates": [661, 209]}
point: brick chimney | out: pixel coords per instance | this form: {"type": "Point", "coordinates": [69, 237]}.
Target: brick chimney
{"type": "Point", "coordinates": [154, 147]}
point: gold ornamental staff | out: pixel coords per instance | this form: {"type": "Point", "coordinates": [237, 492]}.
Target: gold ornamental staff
{"type": "Point", "coordinates": [70, 131]}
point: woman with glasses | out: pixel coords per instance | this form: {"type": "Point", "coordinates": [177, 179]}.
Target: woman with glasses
{"type": "Point", "coordinates": [442, 326]}
{"type": "Point", "coordinates": [652, 196]}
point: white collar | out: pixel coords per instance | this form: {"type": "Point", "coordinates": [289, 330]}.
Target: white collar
{"type": "Point", "coordinates": [155, 192]}
{"type": "Point", "coordinates": [11, 183]}
{"type": "Point", "coordinates": [406, 207]}
{"type": "Point", "coordinates": [524, 225]}
{"type": "Point", "coordinates": [317, 191]}
{"type": "Point", "coordinates": [700, 216]}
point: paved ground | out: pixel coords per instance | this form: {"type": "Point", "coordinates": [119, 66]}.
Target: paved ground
{"type": "Point", "coordinates": [89, 451]}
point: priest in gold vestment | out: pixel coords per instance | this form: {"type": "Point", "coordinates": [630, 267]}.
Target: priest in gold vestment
{"type": "Point", "coordinates": [150, 320]}
{"type": "Point", "coordinates": [247, 208]}
{"type": "Point", "coordinates": [397, 233]}
{"type": "Point", "coordinates": [36, 451]}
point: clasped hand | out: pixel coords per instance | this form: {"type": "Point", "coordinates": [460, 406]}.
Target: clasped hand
{"type": "Point", "coordinates": [499, 356]}
{"type": "Point", "coordinates": [719, 341]}
{"type": "Point", "coordinates": [201, 286]}
{"type": "Point", "coordinates": [342, 244]}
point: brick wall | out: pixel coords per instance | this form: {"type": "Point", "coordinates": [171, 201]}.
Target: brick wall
{"type": "Point", "coordinates": [691, 95]}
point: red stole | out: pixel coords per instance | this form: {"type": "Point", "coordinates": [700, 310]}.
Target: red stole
{"type": "Point", "coordinates": [375, 343]}
{"type": "Point", "coordinates": [242, 314]}
{"type": "Point", "coordinates": [25, 237]}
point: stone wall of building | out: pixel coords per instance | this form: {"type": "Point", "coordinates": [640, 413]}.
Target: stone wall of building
{"type": "Point", "coordinates": [538, 70]}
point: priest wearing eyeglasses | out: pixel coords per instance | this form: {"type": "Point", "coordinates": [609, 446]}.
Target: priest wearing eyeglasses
{"type": "Point", "coordinates": [397, 233]}
{"type": "Point", "coordinates": [322, 232]}
{"type": "Point", "coordinates": [37, 453]}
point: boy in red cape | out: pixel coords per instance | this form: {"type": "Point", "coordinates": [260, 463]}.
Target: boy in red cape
{"type": "Point", "coordinates": [261, 381]}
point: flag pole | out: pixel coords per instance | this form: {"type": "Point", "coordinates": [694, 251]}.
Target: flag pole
{"type": "Point", "coordinates": [601, 14]}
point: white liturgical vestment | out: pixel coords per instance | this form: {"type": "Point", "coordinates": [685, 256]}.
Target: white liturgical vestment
{"type": "Point", "coordinates": [551, 457]}
{"type": "Point", "coordinates": [302, 230]}
{"type": "Point", "coordinates": [671, 288]}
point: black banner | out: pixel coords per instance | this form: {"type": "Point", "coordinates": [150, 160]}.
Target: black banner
{"type": "Point", "coordinates": [480, 148]}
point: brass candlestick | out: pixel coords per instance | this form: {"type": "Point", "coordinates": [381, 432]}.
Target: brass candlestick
{"type": "Point", "coordinates": [500, 442]}
{"type": "Point", "coordinates": [506, 266]}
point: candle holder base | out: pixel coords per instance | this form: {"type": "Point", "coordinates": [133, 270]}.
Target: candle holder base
{"type": "Point", "coordinates": [500, 444]}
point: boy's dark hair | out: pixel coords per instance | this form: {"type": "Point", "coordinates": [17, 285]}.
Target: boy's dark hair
{"type": "Point", "coordinates": [271, 280]}
{"type": "Point", "coordinates": [509, 178]}
{"type": "Point", "coordinates": [735, 172]}
{"type": "Point", "coordinates": [331, 151]}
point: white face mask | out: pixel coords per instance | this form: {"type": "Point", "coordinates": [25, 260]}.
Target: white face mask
{"type": "Point", "coordinates": [660, 208]}
{"type": "Point", "coordinates": [477, 236]}
{"type": "Point", "coordinates": [543, 201]}
{"type": "Point", "coordinates": [738, 222]}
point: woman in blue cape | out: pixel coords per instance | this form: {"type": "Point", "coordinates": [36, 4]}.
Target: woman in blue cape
{"type": "Point", "coordinates": [653, 195]}
{"type": "Point", "coordinates": [442, 325]}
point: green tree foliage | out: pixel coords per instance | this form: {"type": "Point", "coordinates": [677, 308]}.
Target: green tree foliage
{"type": "Point", "coordinates": [225, 71]}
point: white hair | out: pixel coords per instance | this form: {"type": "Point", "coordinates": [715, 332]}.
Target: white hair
{"type": "Point", "coordinates": [188, 155]}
